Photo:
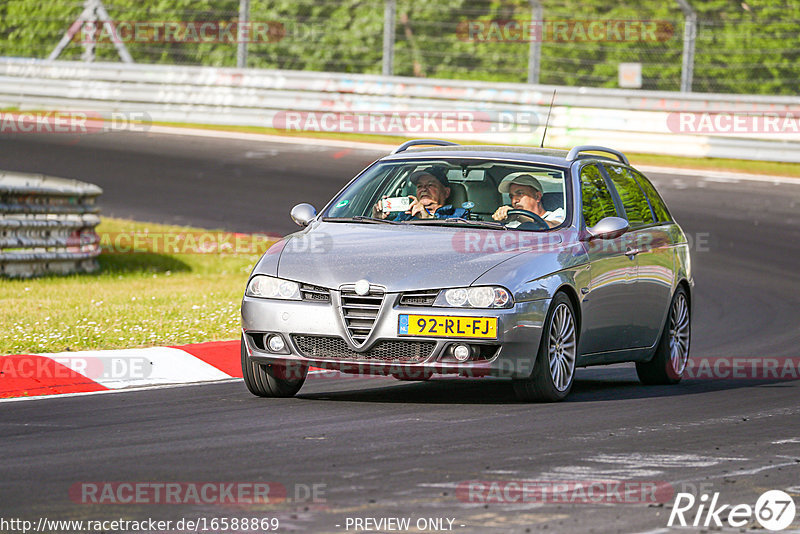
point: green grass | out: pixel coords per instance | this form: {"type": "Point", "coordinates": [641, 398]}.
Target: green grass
{"type": "Point", "coordinates": [137, 299]}
{"type": "Point", "coordinates": [773, 168]}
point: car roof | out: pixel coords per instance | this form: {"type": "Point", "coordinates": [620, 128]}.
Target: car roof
{"type": "Point", "coordinates": [548, 156]}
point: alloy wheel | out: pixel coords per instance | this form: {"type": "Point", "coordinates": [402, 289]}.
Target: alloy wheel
{"type": "Point", "coordinates": [561, 348]}
{"type": "Point", "coordinates": [679, 335]}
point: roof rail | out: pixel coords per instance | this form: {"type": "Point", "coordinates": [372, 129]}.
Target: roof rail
{"type": "Point", "coordinates": [573, 154]}
{"type": "Point", "coordinates": [415, 142]}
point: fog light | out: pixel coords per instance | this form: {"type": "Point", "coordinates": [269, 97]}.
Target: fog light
{"type": "Point", "coordinates": [461, 352]}
{"type": "Point", "coordinates": [275, 343]}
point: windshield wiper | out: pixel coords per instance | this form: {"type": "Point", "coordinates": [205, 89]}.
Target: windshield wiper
{"type": "Point", "coordinates": [460, 220]}
{"type": "Point", "coordinates": [359, 218]}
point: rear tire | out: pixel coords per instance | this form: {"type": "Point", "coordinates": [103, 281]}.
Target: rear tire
{"type": "Point", "coordinates": [554, 370]}
{"type": "Point", "coordinates": [271, 380]}
{"type": "Point", "coordinates": [672, 352]}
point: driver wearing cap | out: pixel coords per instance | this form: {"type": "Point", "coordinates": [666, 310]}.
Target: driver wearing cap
{"type": "Point", "coordinates": [526, 194]}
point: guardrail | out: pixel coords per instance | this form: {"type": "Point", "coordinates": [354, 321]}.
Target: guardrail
{"type": "Point", "coordinates": [630, 120]}
{"type": "Point", "coordinates": [47, 225]}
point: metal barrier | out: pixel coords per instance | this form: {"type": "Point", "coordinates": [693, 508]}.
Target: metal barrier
{"type": "Point", "coordinates": [47, 225]}
{"type": "Point", "coordinates": [631, 120]}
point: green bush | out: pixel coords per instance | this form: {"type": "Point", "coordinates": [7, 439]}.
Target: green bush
{"type": "Point", "coordinates": [742, 47]}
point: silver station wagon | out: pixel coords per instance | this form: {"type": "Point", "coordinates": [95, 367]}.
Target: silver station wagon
{"type": "Point", "coordinates": [442, 259]}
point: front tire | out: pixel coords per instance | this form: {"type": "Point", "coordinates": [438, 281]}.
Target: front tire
{"type": "Point", "coordinates": [554, 370]}
{"type": "Point", "coordinates": [271, 380]}
{"type": "Point", "coordinates": [672, 352]}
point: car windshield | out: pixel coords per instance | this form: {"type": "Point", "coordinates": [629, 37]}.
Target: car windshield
{"type": "Point", "coordinates": [490, 194]}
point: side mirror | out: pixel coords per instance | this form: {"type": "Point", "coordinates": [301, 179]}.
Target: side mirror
{"type": "Point", "coordinates": [608, 228]}
{"type": "Point", "coordinates": [303, 214]}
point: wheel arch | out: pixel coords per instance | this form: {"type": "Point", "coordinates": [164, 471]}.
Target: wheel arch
{"type": "Point", "coordinates": [686, 286]}
{"type": "Point", "coordinates": [684, 283]}
{"type": "Point", "coordinates": [572, 295]}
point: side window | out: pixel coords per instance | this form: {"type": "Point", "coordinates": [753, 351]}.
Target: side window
{"type": "Point", "coordinates": [597, 200]}
{"type": "Point", "coordinates": [633, 200]}
{"type": "Point", "coordinates": [656, 202]}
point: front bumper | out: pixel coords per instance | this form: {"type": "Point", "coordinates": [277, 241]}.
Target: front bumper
{"type": "Point", "coordinates": [512, 354]}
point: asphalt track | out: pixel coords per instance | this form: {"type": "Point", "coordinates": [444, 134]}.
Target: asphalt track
{"type": "Point", "coordinates": [382, 448]}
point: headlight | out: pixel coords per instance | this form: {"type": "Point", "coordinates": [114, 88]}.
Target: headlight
{"type": "Point", "coordinates": [474, 297]}
{"type": "Point", "coordinates": [269, 287]}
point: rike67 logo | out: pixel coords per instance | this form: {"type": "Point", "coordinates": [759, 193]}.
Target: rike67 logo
{"type": "Point", "coordinates": [774, 510]}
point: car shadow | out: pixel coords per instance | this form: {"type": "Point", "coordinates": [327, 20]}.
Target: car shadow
{"type": "Point", "coordinates": [591, 385]}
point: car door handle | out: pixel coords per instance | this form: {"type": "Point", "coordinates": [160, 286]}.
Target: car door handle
{"type": "Point", "coordinates": [631, 252]}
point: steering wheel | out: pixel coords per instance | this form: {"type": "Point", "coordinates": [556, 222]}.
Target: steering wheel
{"type": "Point", "coordinates": [527, 218]}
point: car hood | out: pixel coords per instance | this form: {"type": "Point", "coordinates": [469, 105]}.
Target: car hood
{"type": "Point", "coordinates": [399, 257]}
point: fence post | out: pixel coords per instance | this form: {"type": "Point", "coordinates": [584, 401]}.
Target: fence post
{"type": "Point", "coordinates": [92, 10]}
{"type": "Point", "coordinates": [535, 48]}
{"type": "Point", "coordinates": [689, 40]}
{"type": "Point", "coordinates": [389, 10]}
{"type": "Point", "coordinates": [243, 33]}
{"type": "Point", "coordinates": [89, 6]}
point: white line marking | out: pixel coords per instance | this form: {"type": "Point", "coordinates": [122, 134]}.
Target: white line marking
{"type": "Point", "coordinates": [379, 147]}
{"type": "Point", "coordinates": [242, 136]}
{"type": "Point", "coordinates": [634, 465]}
{"type": "Point", "coordinates": [735, 474]}
{"type": "Point", "coordinates": [721, 180]}
{"type": "Point", "coordinates": [790, 440]}
{"type": "Point", "coordinates": [126, 390]}
{"type": "Point", "coordinates": [584, 472]}
{"type": "Point", "coordinates": [757, 469]}
{"type": "Point", "coordinates": [637, 460]}
{"type": "Point", "coordinates": [720, 176]}
{"type": "Point", "coordinates": [223, 380]}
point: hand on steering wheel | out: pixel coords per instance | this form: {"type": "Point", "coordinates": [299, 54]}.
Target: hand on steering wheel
{"type": "Point", "coordinates": [525, 216]}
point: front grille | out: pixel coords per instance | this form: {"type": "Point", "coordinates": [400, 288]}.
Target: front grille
{"type": "Point", "coordinates": [419, 298]}
{"type": "Point", "coordinates": [385, 351]}
{"type": "Point", "coordinates": [360, 312]}
{"type": "Point", "coordinates": [315, 293]}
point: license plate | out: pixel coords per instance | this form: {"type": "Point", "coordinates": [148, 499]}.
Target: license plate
{"type": "Point", "coordinates": [447, 326]}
